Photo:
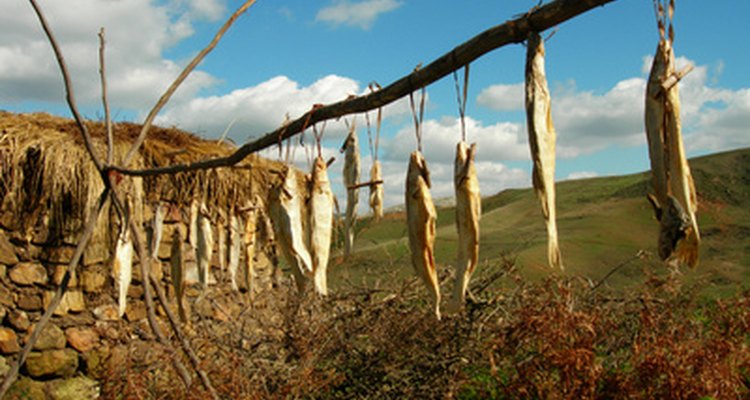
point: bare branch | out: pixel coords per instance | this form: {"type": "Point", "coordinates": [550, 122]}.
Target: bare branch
{"type": "Point", "coordinates": [170, 91]}
{"type": "Point", "coordinates": [68, 85]}
{"type": "Point", "coordinates": [105, 103]}
{"type": "Point", "coordinates": [513, 31]}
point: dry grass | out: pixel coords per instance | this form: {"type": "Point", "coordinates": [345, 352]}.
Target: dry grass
{"type": "Point", "coordinates": [554, 339]}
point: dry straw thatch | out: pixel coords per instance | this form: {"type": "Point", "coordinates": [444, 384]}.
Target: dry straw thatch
{"type": "Point", "coordinates": [49, 185]}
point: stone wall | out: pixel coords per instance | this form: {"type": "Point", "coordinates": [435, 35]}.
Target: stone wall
{"type": "Point", "coordinates": [85, 332]}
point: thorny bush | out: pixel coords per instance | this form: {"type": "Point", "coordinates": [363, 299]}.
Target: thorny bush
{"type": "Point", "coordinates": [554, 339]}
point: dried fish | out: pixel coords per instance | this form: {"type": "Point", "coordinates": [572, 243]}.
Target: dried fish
{"type": "Point", "coordinates": [123, 267]}
{"type": "Point", "coordinates": [286, 211]}
{"type": "Point", "coordinates": [205, 248]}
{"type": "Point", "coordinates": [468, 214]}
{"type": "Point", "coordinates": [351, 178]}
{"type": "Point", "coordinates": [671, 179]}
{"type": "Point", "coordinates": [235, 245]}
{"type": "Point", "coordinates": [376, 191]}
{"type": "Point", "coordinates": [193, 224]}
{"type": "Point", "coordinates": [178, 273]}
{"type": "Point", "coordinates": [542, 141]}
{"type": "Point", "coordinates": [321, 224]}
{"type": "Point", "coordinates": [157, 227]}
{"type": "Point", "coordinates": [421, 218]}
{"type": "Point", "coordinates": [251, 220]}
{"type": "Point", "coordinates": [221, 238]}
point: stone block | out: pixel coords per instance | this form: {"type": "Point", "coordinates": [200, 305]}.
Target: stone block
{"type": "Point", "coordinates": [52, 363]}
{"type": "Point", "coordinates": [28, 274]}
{"type": "Point", "coordinates": [8, 341]}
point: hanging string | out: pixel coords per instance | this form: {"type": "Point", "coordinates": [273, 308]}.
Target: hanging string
{"type": "Point", "coordinates": [462, 99]}
{"type": "Point", "coordinates": [374, 148]}
{"type": "Point", "coordinates": [418, 120]}
{"type": "Point", "coordinates": [319, 137]}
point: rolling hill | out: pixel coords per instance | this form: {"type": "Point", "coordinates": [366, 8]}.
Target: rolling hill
{"type": "Point", "coordinates": [603, 223]}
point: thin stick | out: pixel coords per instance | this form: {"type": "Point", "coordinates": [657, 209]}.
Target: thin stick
{"type": "Point", "coordinates": [105, 103]}
{"type": "Point", "coordinates": [362, 184]}
{"type": "Point", "coordinates": [83, 241]}
{"type": "Point", "coordinates": [177, 82]}
{"type": "Point", "coordinates": [513, 31]}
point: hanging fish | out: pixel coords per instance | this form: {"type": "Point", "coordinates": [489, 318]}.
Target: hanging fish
{"type": "Point", "coordinates": [421, 218]}
{"type": "Point", "coordinates": [321, 224]}
{"type": "Point", "coordinates": [251, 220]}
{"type": "Point", "coordinates": [123, 267]}
{"type": "Point", "coordinates": [468, 214]}
{"type": "Point", "coordinates": [178, 274]}
{"type": "Point", "coordinates": [205, 248]}
{"type": "Point", "coordinates": [235, 245]}
{"type": "Point", "coordinates": [193, 224]}
{"type": "Point", "coordinates": [674, 200]}
{"type": "Point", "coordinates": [157, 228]}
{"type": "Point", "coordinates": [286, 211]}
{"type": "Point", "coordinates": [351, 178]}
{"type": "Point", "coordinates": [376, 191]}
{"type": "Point", "coordinates": [542, 141]}
{"type": "Point", "coordinates": [221, 238]}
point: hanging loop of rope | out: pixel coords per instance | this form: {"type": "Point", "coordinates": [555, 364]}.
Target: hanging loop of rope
{"type": "Point", "coordinates": [461, 97]}
{"type": "Point", "coordinates": [373, 86]}
{"type": "Point", "coordinates": [319, 137]}
{"type": "Point", "coordinates": [418, 118]}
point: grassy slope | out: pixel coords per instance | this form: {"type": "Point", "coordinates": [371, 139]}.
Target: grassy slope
{"type": "Point", "coordinates": [603, 222]}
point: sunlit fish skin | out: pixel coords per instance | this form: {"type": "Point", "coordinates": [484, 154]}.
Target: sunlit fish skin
{"type": "Point", "coordinates": [542, 142]}
{"type": "Point", "coordinates": [351, 178]}
{"type": "Point", "coordinates": [671, 179]}
{"type": "Point", "coordinates": [321, 224]}
{"type": "Point", "coordinates": [157, 227]}
{"type": "Point", "coordinates": [205, 247]}
{"type": "Point", "coordinates": [421, 218]}
{"type": "Point", "coordinates": [251, 220]}
{"type": "Point", "coordinates": [376, 191]}
{"type": "Point", "coordinates": [235, 247]}
{"type": "Point", "coordinates": [286, 212]}
{"type": "Point", "coordinates": [468, 214]}
{"type": "Point", "coordinates": [123, 268]}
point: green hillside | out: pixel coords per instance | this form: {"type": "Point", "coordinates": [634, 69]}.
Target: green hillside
{"type": "Point", "coordinates": [603, 223]}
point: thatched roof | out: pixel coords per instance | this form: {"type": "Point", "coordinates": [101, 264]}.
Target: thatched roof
{"type": "Point", "coordinates": [49, 183]}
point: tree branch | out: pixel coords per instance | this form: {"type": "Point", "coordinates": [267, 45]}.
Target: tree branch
{"type": "Point", "coordinates": [105, 103]}
{"type": "Point", "coordinates": [513, 31]}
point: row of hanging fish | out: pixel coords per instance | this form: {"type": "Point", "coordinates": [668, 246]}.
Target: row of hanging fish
{"type": "Point", "coordinates": [674, 198]}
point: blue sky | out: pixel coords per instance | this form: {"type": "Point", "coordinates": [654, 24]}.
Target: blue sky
{"type": "Point", "coordinates": [282, 57]}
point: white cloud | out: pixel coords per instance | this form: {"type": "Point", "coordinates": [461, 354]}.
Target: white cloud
{"type": "Point", "coordinates": [258, 109]}
{"type": "Point", "coordinates": [360, 14]}
{"type": "Point", "coordinates": [502, 97]}
{"type": "Point", "coordinates": [586, 122]}
{"type": "Point", "coordinates": [137, 71]}
{"type": "Point", "coordinates": [582, 175]}
{"type": "Point", "coordinates": [502, 141]}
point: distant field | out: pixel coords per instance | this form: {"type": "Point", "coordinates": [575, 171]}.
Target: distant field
{"type": "Point", "coordinates": [603, 222]}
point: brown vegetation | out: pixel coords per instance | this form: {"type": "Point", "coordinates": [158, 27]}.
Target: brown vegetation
{"type": "Point", "coordinates": [555, 339]}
